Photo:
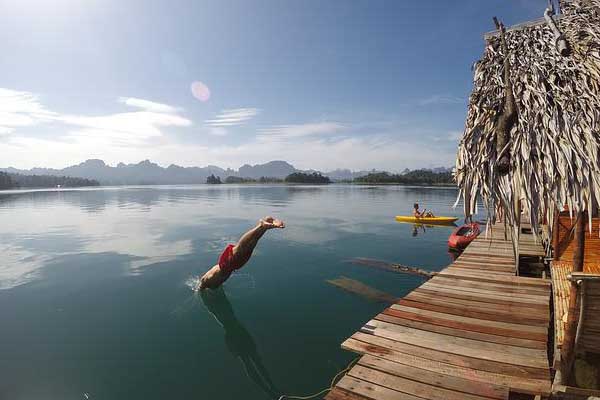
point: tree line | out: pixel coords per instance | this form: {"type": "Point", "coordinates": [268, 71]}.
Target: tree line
{"type": "Point", "coordinates": [416, 177]}
{"type": "Point", "coordinates": [296, 177]}
{"type": "Point", "coordinates": [14, 181]}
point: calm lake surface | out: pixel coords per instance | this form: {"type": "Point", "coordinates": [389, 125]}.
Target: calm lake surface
{"type": "Point", "coordinates": [95, 298]}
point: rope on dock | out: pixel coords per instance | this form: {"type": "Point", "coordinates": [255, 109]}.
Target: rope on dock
{"type": "Point", "coordinates": [333, 383]}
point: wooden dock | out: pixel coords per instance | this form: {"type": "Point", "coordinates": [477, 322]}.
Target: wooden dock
{"type": "Point", "coordinates": [562, 266]}
{"type": "Point", "coordinates": [474, 331]}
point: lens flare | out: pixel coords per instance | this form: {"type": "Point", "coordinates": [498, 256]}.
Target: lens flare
{"type": "Point", "coordinates": [200, 91]}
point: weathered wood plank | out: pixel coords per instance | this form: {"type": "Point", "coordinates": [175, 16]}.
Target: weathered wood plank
{"type": "Point", "coordinates": [492, 293]}
{"type": "Point", "coordinates": [385, 347]}
{"type": "Point", "coordinates": [487, 351]}
{"type": "Point", "coordinates": [434, 315]}
{"type": "Point", "coordinates": [412, 372]}
{"type": "Point", "coordinates": [505, 287]}
{"type": "Point", "coordinates": [341, 394]}
{"type": "Point", "coordinates": [361, 289]}
{"type": "Point", "coordinates": [372, 391]}
{"type": "Point", "coordinates": [484, 337]}
{"type": "Point", "coordinates": [480, 297]}
{"type": "Point", "coordinates": [521, 281]}
{"type": "Point", "coordinates": [483, 267]}
{"type": "Point", "coordinates": [493, 312]}
{"type": "Point", "coordinates": [409, 386]}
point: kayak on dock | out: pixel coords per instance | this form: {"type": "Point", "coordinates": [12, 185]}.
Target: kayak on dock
{"type": "Point", "coordinates": [427, 220]}
{"type": "Point", "coordinates": [463, 235]}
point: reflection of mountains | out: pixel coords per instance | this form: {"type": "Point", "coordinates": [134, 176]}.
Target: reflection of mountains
{"type": "Point", "coordinates": [97, 200]}
{"type": "Point", "coordinates": [238, 340]}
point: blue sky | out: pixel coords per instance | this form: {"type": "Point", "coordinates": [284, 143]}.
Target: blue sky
{"type": "Point", "coordinates": [321, 84]}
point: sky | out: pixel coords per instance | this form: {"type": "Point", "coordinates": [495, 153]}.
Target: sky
{"type": "Point", "coordinates": [322, 84]}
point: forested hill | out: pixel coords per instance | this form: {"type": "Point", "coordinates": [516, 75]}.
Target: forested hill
{"type": "Point", "coordinates": [417, 177]}
{"type": "Point", "coordinates": [16, 181]}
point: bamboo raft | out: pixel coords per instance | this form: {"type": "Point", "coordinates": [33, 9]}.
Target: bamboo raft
{"type": "Point", "coordinates": [474, 331]}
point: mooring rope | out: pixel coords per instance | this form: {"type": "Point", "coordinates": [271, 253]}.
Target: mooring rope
{"type": "Point", "coordinates": [333, 382]}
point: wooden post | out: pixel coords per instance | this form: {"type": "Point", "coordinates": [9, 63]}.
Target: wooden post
{"type": "Point", "coordinates": [508, 116]}
{"type": "Point", "coordinates": [568, 347]}
{"type": "Point", "coordinates": [556, 235]}
{"type": "Point", "coordinates": [559, 39]}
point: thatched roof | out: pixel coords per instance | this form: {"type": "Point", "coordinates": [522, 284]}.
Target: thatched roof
{"type": "Point", "coordinates": [554, 144]}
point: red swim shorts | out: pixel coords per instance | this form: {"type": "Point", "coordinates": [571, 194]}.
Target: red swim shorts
{"type": "Point", "coordinates": [226, 260]}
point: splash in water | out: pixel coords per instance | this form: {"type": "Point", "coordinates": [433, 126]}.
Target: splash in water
{"type": "Point", "coordinates": [237, 281]}
{"type": "Point", "coordinates": [192, 282]}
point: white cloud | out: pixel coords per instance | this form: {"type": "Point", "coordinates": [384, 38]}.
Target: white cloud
{"type": "Point", "coordinates": [135, 135]}
{"type": "Point", "coordinates": [123, 127]}
{"type": "Point", "coordinates": [441, 99]}
{"type": "Point", "coordinates": [232, 117]}
{"type": "Point", "coordinates": [21, 109]}
{"type": "Point", "coordinates": [18, 109]}
{"type": "Point", "coordinates": [148, 105]}
{"type": "Point", "coordinates": [287, 132]}
{"type": "Point", "coordinates": [217, 131]}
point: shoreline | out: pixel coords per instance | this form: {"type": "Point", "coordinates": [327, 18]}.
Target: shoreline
{"type": "Point", "coordinates": [141, 186]}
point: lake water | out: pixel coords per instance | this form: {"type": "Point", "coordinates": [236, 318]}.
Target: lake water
{"type": "Point", "coordinates": [95, 298]}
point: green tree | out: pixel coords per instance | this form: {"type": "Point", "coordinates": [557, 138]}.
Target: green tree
{"type": "Point", "coordinates": [213, 180]}
{"type": "Point", "coordinates": [301, 177]}
{"type": "Point", "coordinates": [6, 181]}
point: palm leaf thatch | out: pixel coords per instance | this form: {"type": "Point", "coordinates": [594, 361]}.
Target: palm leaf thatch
{"type": "Point", "coordinates": [554, 144]}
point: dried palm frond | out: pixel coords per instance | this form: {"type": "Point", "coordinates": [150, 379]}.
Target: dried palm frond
{"type": "Point", "coordinates": [555, 143]}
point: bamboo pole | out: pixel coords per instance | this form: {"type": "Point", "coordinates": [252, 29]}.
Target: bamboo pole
{"type": "Point", "coordinates": [568, 348]}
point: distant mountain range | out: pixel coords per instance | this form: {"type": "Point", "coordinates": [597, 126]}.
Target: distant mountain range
{"type": "Point", "coordinates": [149, 173]}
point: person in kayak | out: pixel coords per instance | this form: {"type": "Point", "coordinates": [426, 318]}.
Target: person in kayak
{"type": "Point", "coordinates": [235, 256]}
{"type": "Point", "coordinates": [421, 214]}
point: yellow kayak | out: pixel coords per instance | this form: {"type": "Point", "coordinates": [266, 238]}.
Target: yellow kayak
{"type": "Point", "coordinates": [428, 220]}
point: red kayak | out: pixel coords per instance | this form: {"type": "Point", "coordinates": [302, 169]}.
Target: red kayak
{"type": "Point", "coordinates": [463, 235]}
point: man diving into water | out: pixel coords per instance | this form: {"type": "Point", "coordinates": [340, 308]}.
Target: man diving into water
{"type": "Point", "coordinates": [236, 256]}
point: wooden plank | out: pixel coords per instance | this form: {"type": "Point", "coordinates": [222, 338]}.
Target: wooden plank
{"type": "Point", "coordinates": [446, 363]}
{"type": "Point", "coordinates": [479, 260]}
{"type": "Point", "coordinates": [482, 271]}
{"type": "Point", "coordinates": [372, 391]}
{"type": "Point", "coordinates": [521, 312]}
{"type": "Point", "coordinates": [505, 287]}
{"type": "Point", "coordinates": [487, 351]}
{"type": "Point", "coordinates": [520, 297]}
{"type": "Point", "coordinates": [521, 281]}
{"type": "Point", "coordinates": [341, 394]}
{"type": "Point", "coordinates": [408, 386]}
{"type": "Point", "coordinates": [480, 297]}
{"type": "Point", "coordinates": [423, 309]}
{"type": "Point", "coordinates": [458, 384]}
{"type": "Point", "coordinates": [484, 337]}
{"type": "Point", "coordinates": [483, 267]}
{"type": "Point", "coordinates": [437, 317]}
{"type": "Point", "coordinates": [478, 310]}
{"type": "Point", "coordinates": [361, 289]}
{"type": "Point", "coordinates": [470, 251]}
{"type": "Point", "coordinates": [486, 259]}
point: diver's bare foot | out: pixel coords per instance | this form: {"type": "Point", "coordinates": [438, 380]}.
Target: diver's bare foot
{"type": "Point", "coordinates": [270, 223]}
